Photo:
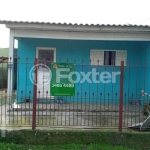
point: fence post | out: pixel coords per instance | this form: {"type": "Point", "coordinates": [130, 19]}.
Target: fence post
{"type": "Point", "coordinates": [121, 95]}
{"type": "Point", "coordinates": [34, 94]}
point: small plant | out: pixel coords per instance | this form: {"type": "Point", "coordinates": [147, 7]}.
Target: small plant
{"type": "Point", "coordinates": [61, 100]}
{"type": "Point", "coordinates": [28, 99]}
{"type": "Point", "coordinates": [146, 109]}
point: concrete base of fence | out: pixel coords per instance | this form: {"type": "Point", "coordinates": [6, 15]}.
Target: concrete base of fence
{"type": "Point", "coordinates": [71, 114]}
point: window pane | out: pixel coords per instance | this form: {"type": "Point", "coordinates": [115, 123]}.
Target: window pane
{"type": "Point", "coordinates": [109, 57]}
{"type": "Point", "coordinates": [112, 57]}
{"type": "Point", "coordinates": [106, 57]}
{"type": "Point", "coordinates": [120, 56]}
{"type": "Point", "coordinates": [97, 57]}
{"type": "Point", "coordinates": [46, 57]}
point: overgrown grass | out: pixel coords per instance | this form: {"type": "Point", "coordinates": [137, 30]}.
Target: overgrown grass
{"type": "Point", "coordinates": [83, 140]}
{"type": "Point", "coordinates": [12, 146]}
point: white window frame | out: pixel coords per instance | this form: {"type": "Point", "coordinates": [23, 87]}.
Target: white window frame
{"type": "Point", "coordinates": [46, 48]}
{"type": "Point", "coordinates": [103, 56]}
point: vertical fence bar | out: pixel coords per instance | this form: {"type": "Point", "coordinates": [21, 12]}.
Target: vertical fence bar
{"type": "Point", "coordinates": [34, 95]}
{"type": "Point", "coordinates": [100, 118]}
{"type": "Point", "coordinates": [89, 95]}
{"type": "Point", "coordinates": [121, 95]}
{"type": "Point", "coordinates": [97, 90]}
{"type": "Point", "coordinates": [81, 100]}
{"type": "Point", "coordinates": [46, 118]}
{"type": "Point", "coordinates": [136, 96]}
{"type": "Point", "coordinates": [128, 93]}
{"type": "Point", "coordinates": [1, 94]}
{"type": "Point", "coordinates": [108, 116]}
{"type": "Point", "coordinates": [39, 97]}
{"type": "Point", "coordinates": [26, 83]}
{"type": "Point", "coordinates": [29, 105]}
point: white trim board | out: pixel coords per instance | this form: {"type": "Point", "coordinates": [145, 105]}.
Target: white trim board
{"type": "Point", "coordinates": [119, 36]}
{"type": "Point", "coordinates": [10, 70]}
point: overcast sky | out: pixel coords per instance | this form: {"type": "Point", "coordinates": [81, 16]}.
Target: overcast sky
{"type": "Point", "coordinates": [73, 11]}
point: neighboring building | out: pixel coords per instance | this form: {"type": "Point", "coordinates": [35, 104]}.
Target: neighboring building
{"type": "Point", "coordinates": [110, 44]}
{"type": "Point", "coordinates": [4, 57]}
{"type": "Point", "coordinates": [4, 53]}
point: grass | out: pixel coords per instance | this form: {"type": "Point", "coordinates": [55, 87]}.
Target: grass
{"type": "Point", "coordinates": [12, 146]}
{"type": "Point", "coordinates": [82, 140]}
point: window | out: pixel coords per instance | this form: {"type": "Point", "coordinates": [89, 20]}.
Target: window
{"type": "Point", "coordinates": [46, 55]}
{"type": "Point", "coordinates": [107, 57]}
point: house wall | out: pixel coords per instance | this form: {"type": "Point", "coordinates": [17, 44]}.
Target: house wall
{"type": "Point", "coordinates": [146, 70]}
{"type": "Point", "coordinates": [80, 50]}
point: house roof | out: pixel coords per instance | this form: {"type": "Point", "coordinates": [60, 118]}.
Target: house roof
{"type": "Point", "coordinates": [75, 24]}
{"type": "Point", "coordinates": [78, 31]}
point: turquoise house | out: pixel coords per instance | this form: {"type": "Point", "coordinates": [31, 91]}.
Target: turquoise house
{"type": "Point", "coordinates": [96, 51]}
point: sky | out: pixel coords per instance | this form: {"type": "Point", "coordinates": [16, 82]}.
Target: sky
{"type": "Point", "coordinates": [73, 11]}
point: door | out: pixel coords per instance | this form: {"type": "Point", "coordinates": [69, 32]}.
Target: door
{"type": "Point", "coordinates": [45, 57]}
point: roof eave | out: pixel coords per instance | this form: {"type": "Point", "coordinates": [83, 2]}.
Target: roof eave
{"type": "Point", "coordinates": [75, 27]}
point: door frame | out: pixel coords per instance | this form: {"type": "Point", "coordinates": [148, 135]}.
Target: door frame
{"type": "Point", "coordinates": [46, 48]}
